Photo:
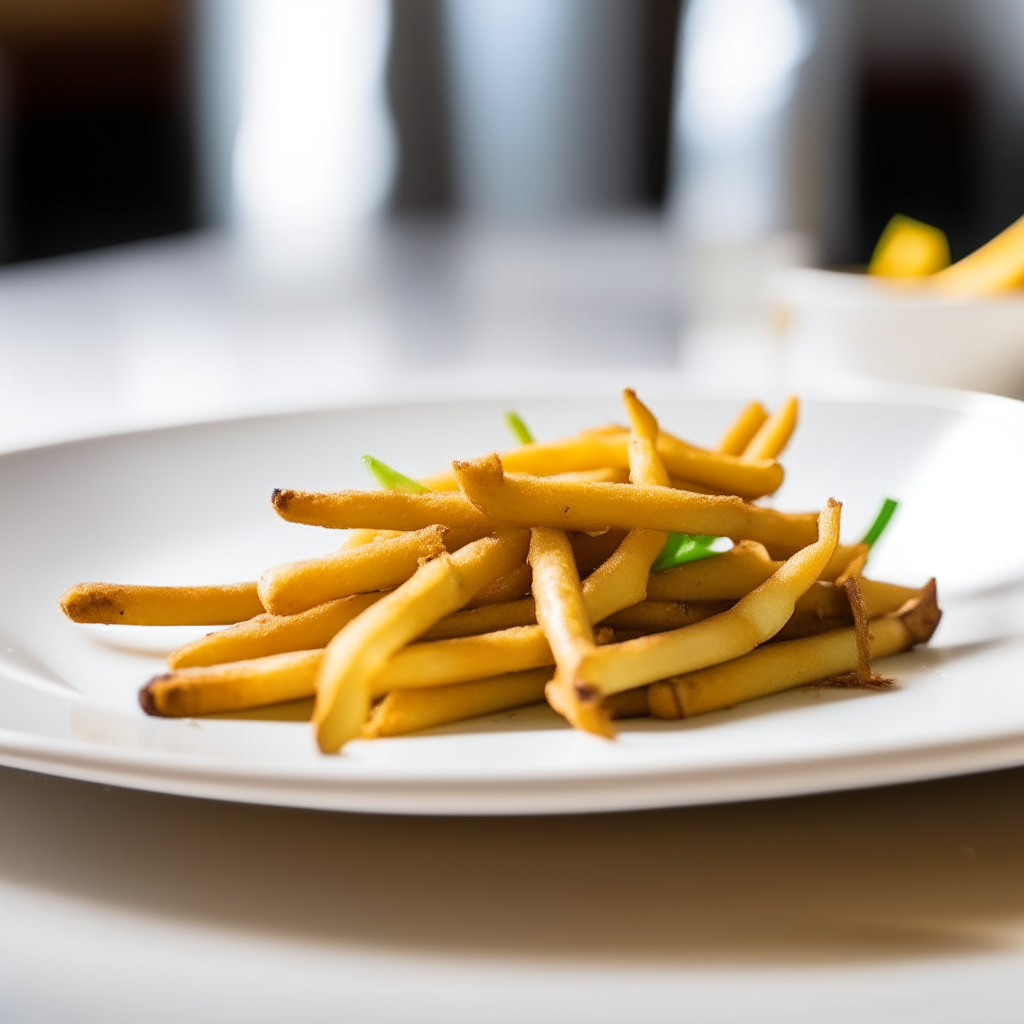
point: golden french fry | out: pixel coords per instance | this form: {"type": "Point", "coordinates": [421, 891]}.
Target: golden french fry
{"type": "Point", "coordinates": [783, 666]}
{"type": "Point", "coordinates": [384, 510]}
{"type": "Point", "coordinates": [660, 616]}
{"type": "Point", "coordinates": [741, 431]}
{"type": "Point", "coordinates": [830, 600]}
{"type": "Point", "coordinates": [628, 704]}
{"type": "Point", "coordinates": [485, 619]}
{"type": "Point", "coordinates": [618, 583]}
{"type": "Point", "coordinates": [724, 577]}
{"type": "Point", "coordinates": [997, 266]}
{"type": "Point", "coordinates": [622, 580]}
{"type": "Point", "coordinates": [561, 614]}
{"type": "Point", "coordinates": [724, 473]}
{"type": "Point", "coordinates": [132, 605]}
{"type": "Point", "coordinates": [362, 647]}
{"type": "Point", "coordinates": [382, 563]}
{"type": "Point", "coordinates": [188, 692]}
{"type": "Point", "coordinates": [446, 482]}
{"type": "Point", "coordinates": [826, 606]}
{"type": "Point", "coordinates": [605, 475]}
{"type": "Point", "coordinates": [439, 662]}
{"type": "Point", "coordinates": [300, 710]}
{"type": "Point", "coordinates": [774, 433]}
{"type": "Point", "coordinates": [510, 587]}
{"type": "Point", "coordinates": [730, 634]}
{"type": "Point", "coordinates": [732, 574]}
{"type": "Point", "coordinates": [405, 711]}
{"type": "Point", "coordinates": [566, 505]}
{"type": "Point", "coordinates": [273, 634]}
{"type": "Point", "coordinates": [356, 538]}
{"type": "Point", "coordinates": [645, 463]}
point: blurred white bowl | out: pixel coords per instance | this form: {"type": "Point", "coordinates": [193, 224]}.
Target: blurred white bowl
{"type": "Point", "coordinates": [847, 324]}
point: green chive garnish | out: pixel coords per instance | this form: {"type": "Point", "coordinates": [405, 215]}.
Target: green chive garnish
{"type": "Point", "coordinates": [391, 479]}
{"type": "Point", "coordinates": [684, 547]}
{"type": "Point", "coordinates": [519, 429]}
{"type": "Point", "coordinates": [881, 522]}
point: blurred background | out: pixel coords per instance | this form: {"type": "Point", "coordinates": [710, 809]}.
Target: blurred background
{"type": "Point", "coordinates": [373, 188]}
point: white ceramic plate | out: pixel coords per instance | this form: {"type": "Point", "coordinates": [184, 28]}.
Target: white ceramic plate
{"type": "Point", "coordinates": [190, 504]}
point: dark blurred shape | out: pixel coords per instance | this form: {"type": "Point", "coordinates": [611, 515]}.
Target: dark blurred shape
{"type": "Point", "coordinates": [418, 93]}
{"type": "Point", "coordinates": [918, 153]}
{"type": "Point", "coordinates": [659, 33]}
{"type": "Point", "coordinates": [98, 137]}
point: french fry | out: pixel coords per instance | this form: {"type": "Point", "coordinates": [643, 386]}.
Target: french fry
{"type": "Point", "coordinates": [997, 266]}
{"type": "Point", "coordinates": [622, 580]}
{"type": "Point", "coordinates": [752, 620]}
{"type": "Point", "coordinates": [774, 433]}
{"type": "Point", "coordinates": [405, 711]}
{"type": "Point", "coordinates": [647, 616]}
{"type": "Point", "coordinates": [300, 710]}
{"type": "Point", "coordinates": [439, 662]}
{"type": "Point", "coordinates": [361, 648]}
{"type": "Point", "coordinates": [273, 634]}
{"type": "Point", "coordinates": [783, 666]}
{"type": "Point", "coordinates": [510, 587]}
{"type": "Point", "coordinates": [131, 605]}
{"type": "Point", "coordinates": [724, 473]}
{"type": "Point", "coordinates": [827, 606]}
{"type": "Point", "coordinates": [732, 574]}
{"type": "Point", "coordinates": [660, 616]}
{"type": "Point", "coordinates": [561, 614]}
{"type": "Point", "coordinates": [721, 472]}
{"type": "Point", "coordinates": [628, 704]}
{"type": "Point", "coordinates": [565, 505]}
{"type": "Point", "coordinates": [461, 659]}
{"type": "Point", "coordinates": [741, 431]}
{"type": "Point", "coordinates": [485, 619]}
{"type": "Point", "coordinates": [272, 679]}
{"type": "Point", "coordinates": [357, 538]}
{"type": "Point", "coordinates": [606, 474]}
{"type": "Point", "coordinates": [384, 510]}
{"type": "Point", "coordinates": [188, 692]}
{"type": "Point", "coordinates": [381, 564]}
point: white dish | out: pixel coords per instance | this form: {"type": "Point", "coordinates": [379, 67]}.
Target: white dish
{"type": "Point", "coordinates": [190, 504]}
{"type": "Point", "coordinates": [838, 324]}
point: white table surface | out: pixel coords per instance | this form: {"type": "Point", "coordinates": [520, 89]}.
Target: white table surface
{"type": "Point", "coordinates": [897, 904]}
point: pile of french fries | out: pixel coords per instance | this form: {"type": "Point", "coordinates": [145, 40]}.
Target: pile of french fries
{"type": "Point", "coordinates": [527, 576]}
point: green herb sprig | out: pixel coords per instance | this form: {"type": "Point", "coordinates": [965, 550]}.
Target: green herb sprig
{"type": "Point", "coordinates": [390, 479]}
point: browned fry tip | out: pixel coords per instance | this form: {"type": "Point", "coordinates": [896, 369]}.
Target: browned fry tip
{"type": "Point", "coordinates": [86, 602]}
{"type": "Point", "coordinates": [921, 614]}
{"type": "Point", "coordinates": [146, 701]}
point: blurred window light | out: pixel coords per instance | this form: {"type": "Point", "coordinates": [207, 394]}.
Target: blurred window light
{"type": "Point", "coordinates": [315, 147]}
{"type": "Point", "coordinates": [731, 134]}
{"type": "Point", "coordinates": [739, 64]}
{"type": "Point", "coordinates": [509, 68]}
{"type": "Point", "coordinates": [543, 101]}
